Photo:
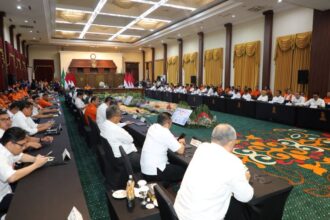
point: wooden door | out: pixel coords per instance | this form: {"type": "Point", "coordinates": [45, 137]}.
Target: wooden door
{"type": "Point", "coordinates": [43, 70]}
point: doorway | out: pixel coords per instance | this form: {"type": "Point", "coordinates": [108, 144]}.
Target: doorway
{"type": "Point", "coordinates": [43, 70]}
{"type": "Point", "coordinates": [133, 67]}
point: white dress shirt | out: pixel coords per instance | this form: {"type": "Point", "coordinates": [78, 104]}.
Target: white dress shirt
{"type": "Point", "coordinates": [263, 98]}
{"type": "Point", "coordinates": [79, 103]}
{"type": "Point", "coordinates": [26, 123]}
{"type": "Point", "coordinates": [278, 99]}
{"type": "Point", "coordinates": [116, 137]}
{"type": "Point", "coordinates": [154, 152]}
{"type": "Point", "coordinates": [236, 95]}
{"type": "Point", "coordinates": [299, 101]}
{"type": "Point", "coordinates": [247, 97]}
{"type": "Point", "coordinates": [314, 104]}
{"type": "Point", "coordinates": [210, 92]}
{"type": "Point", "coordinates": [7, 160]}
{"type": "Point", "coordinates": [211, 178]}
{"type": "Point", "coordinates": [101, 114]}
{"type": "Point", "coordinates": [1, 132]}
{"type": "Point", "coordinates": [11, 115]}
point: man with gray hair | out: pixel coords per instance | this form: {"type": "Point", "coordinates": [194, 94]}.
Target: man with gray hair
{"type": "Point", "coordinates": [212, 177]}
{"type": "Point", "coordinates": [117, 136]}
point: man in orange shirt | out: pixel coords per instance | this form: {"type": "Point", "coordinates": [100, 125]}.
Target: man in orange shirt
{"type": "Point", "coordinates": [91, 109]}
{"type": "Point", "coordinates": [255, 93]}
{"type": "Point", "coordinates": [43, 102]}
{"type": "Point", "coordinates": [327, 99]}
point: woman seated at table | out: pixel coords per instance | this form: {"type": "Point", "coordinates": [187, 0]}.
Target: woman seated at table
{"type": "Point", "coordinates": [154, 161]}
{"type": "Point", "coordinates": [11, 151]}
{"type": "Point", "coordinates": [213, 176]}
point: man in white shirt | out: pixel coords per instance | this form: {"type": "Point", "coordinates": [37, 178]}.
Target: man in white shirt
{"type": "Point", "coordinates": [79, 102]}
{"type": "Point", "coordinates": [11, 148]}
{"type": "Point", "coordinates": [263, 97]}
{"type": "Point", "coordinates": [23, 120]}
{"type": "Point", "coordinates": [117, 136]}
{"type": "Point", "coordinates": [236, 95]}
{"type": "Point", "coordinates": [101, 111]}
{"type": "Point", "coordinates": [214, 174]}
{"type": "Point", "coordinates": [13, 109]}
{"type": "Point", "coordinates": [278, 98]}
{"type": "Point", "coordinates": [298, 100]}
{"type": "Point", "coordinates": [246, 96]}
{"type": "Point", "coordinates": [154, 161]}
{"type": "Point", "coordinates": [315, 102]}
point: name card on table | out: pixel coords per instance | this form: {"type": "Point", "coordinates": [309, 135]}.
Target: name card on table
{"type": "Point", "coordinates": [135, 116]}
{"type": "Point", "coordinates": [142, 119]}
{"type": "Point", "coordinates": [66, 155]}
{"type": "Point", "coordinates": [75, 214]}
{"type": "Point", "coordinates": [195, 142]}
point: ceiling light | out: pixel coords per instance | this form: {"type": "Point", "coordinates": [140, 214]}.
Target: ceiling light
{"type": "Point", "coordinates": [117, 15]}
{"type": "Point", "coordinates": [162, 41]}
{"type": "Point", "coordinates": [279, 1]}
{"type": "Point", "coordinates": [99, 33]}
{"type": "Point", "coordinates": [143, 15]}
{"type": "Point", "coordinates": [91, 19]}
{"type": "Point", "coordinates": [68, 22]}
{"type": "Point", "coordinates": [67, 31]}
{"type": "Point", "coordinates": [19, 7]}
{"type": "Point", "coordinates": [233, 16]}
{"type": "Point", "coordinates": [30, 31]}
{"type": "Point", "coordinates": [167, 5]}
{"type": "Point", "coordinates": [179, 35]}
{"type": "Point", "coordinates": [34, 38]}
{"type": "Point", "coordinates": [26, 21]}
{"type": "Point", "coordinates": [74, 10]}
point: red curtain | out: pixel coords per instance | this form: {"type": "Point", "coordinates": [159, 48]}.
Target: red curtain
{"type": "Point", "coordinates": [18, 65]}
{"type": "Point", "coordinates": [43, 70]}
{"type": "Point", "coordinates": [10, 59]}
{"type": "Point", "coordinates": [2, 65]}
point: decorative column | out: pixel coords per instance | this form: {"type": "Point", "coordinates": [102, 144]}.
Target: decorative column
{"type": "Point", "coordinates": [200, 57]}
{"type": "Point", "coordinates": [18, 42]}
{"type": "Point", "coordinates": [143, 65]}
{"type": "Point", "coordinates": [165, 59]}
{"type": "Point", "coordinates": [229, 33]}
{"type": "Point", "coordinates": [153, 63]}
{"type": "Point", "coordinates": [267, 55]}
{"type": "Point", "coordinates": [11, 34]}
{"type": "Point", "coordinates": [180, 42]}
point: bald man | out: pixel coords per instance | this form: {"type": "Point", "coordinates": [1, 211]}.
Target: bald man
{"type": "Point", "coordinates": [212, 177]}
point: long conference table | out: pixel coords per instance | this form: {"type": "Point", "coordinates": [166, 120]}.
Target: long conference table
{"type": "Point", "coordinates": [270, 193]}
{"type": "Point", "coordinates": [53, 190]}
{"type": "Point", "coordinates": [303, 117]}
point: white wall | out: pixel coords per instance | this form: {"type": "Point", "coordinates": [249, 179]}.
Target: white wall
{"type": "Point", "coordinates": [247, 32]}
{"type": "Point", "coordinates": [190, 44]}
{"type": "Point", "coordinates": [172, 49]}
{"type": "Point", "coordinates": [294, 21]}
{"type": "Point", "coordinates": [159, 53]}
{"type": "Point", "coordinates": [47, 53]}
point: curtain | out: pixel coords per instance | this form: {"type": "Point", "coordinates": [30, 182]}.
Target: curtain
{"type": "Point", "coordinates": [11, 59]}
{"type": "Point", "coordinates": [159, 68]}
{"type": "Point", "coordinates": [189, 66]}
{"type": "Point", "coordinates": [172, 70]}
{"type": "Point", "coordinates": [213, 65]}
{"type": "Point", "coordinates": [292, 54]}
{"type": "Point", "coordinates": [246, 64]}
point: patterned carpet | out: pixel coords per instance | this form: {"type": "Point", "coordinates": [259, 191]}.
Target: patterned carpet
{"type": "Point", "coordinates": [302, 157]}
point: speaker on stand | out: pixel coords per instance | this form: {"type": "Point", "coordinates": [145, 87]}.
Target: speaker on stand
{"type": "Point", "coordinates": [303, 77]}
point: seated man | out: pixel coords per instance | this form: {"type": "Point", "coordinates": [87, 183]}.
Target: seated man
{"type": "Point", "coordinates": [33, 142]}
{"type": "Point", "coordinates": [214, 174]}
{"type": "Point", "coordinates": [11, 148]}
{"type": "Point", "coordinates": [246, 96]}
{"type": "Point", "coordinates": [91, 108]}
{"type": "Point", "coordinates": [154, 161]}
{"type": "Point", "coordinates": [278, 98]}
{"type": "Point", "coordinates": [79, 101]}
{"type": "Point", "coordinates": [237, 94]}
{"type": "Point", "coordinates": [23, 120]}
{"type": "Point", "coordinates": [255, 93]}
{"type": "Point", "coordinates": [43, 101]}
{"type": "Point", "coordinates": [288, 95]}
{"type": "Point", "coordinates": [298, 100]}
{"type": "Point", "coordinates": [263, 97]}
{"type": "Point", "coordinates": [327, 99]}
{"type": "Point", "coordinates": [315, 102]}
{"type": "Point", "coordinates": [101, 111]}
{"type": "Point", "coordinates": [13, 109]}
{"type": "Point", "coordinates": [117, 136]}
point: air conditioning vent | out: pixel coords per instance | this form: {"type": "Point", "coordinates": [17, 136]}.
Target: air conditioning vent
{"type": "Point", "coordinates": [26, 26]}
{"type": "Point", "coordinates": [256, 9]}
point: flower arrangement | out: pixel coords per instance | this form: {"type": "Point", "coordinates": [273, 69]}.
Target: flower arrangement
{"type": "Point", "coordinates": [202, 117]}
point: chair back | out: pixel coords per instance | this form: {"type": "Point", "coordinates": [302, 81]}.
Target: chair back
{"type": "Point", "coordinates": [165, 205]}
{"type": "Point", "coordinates": [114, 170]}
{"type": "Point", "coordinates": [127, 162]}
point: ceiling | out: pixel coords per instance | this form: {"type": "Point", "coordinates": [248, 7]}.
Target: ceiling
{"type": "Point", "coordinates": [132, 23]}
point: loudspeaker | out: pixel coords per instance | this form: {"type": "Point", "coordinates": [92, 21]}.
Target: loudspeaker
{"type": "Point", "coordinates": [303, 76]}
{"type": "Point", "coordinates": [193, 80]}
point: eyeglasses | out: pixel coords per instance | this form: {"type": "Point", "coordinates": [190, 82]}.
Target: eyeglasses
{"type": "Point", "coordinates": [4, 119]}
{"type": "Point", "coordinates": [21, 145]}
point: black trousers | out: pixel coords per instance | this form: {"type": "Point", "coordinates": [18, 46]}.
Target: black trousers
{"type": "Point", "coordinates": [134, 157]}
{"type": "Point", "coordinates": [171, 174]}
{"type": "Point", "coordinates": [5, 203]}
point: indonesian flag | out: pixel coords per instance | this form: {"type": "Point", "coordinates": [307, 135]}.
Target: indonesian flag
{"type": "Point", "coordinates": [126, 80]}
{"type": "Point", "coordinates": [70, 79]}
{"type": "Point", "coordinates": [131, 80]}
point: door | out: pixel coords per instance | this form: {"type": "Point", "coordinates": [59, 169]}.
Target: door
{"type": "Point", "coordinates": [43, 70]}
{"type": "Point", "coordinates": [133, 67]}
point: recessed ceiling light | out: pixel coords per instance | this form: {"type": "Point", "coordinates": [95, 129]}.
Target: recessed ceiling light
{"type": "Point", "coordinates": [279, 1]}
{"type": "Point", "coordinates": [30, 31]}
{"type": "Point", "coordinates": [34, 38]}
{"type": "Point", "coordinates": [19, 7]}
{"type": "Point", "coordinates": [162, 41]}
{"type": "Point", "coordinates": [201, 27]}
{"type": "Point", "coordinates": [233, 16]}
{"type": "Point", "coordinates": [26, 21]}
{"type": "Point", "coordinates": [179, 35]}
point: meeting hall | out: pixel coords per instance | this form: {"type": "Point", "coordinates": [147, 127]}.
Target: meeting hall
{"type": "Point", "coordinates": [165, 109]}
